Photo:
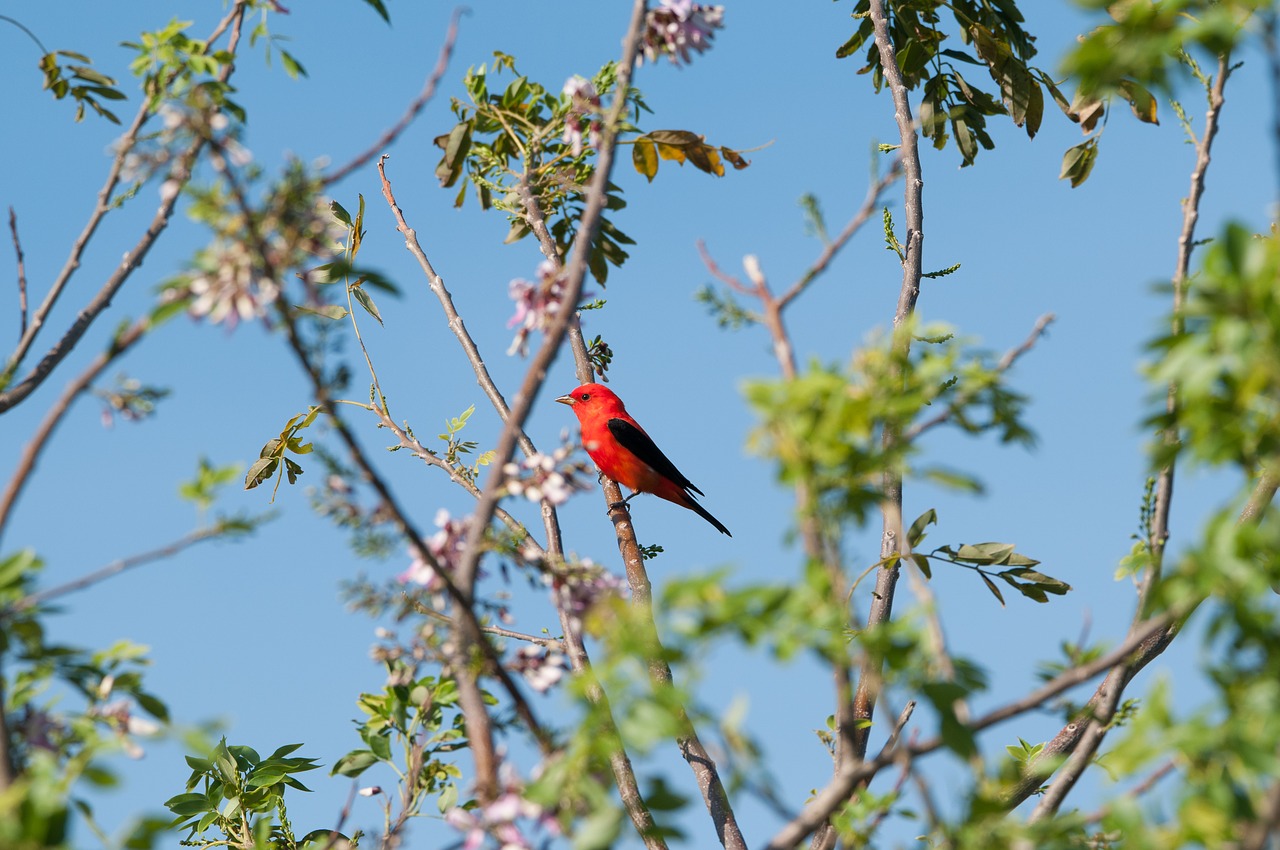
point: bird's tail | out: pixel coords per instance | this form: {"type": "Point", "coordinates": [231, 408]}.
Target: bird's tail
{"type": "Point", "coordinates": [690, 503]}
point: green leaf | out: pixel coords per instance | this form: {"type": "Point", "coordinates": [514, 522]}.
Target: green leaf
{"type": "Point", "coordinates": [366, 301]}
{"type": "Point", "coordinates": [1078, 161]}
{"type": "Point", "coordinates": [284, 751]}
{"type": "Point", "coordinates": [598, 830]}
{"type": "Point", "coordinates": [328, 311]}
{"type": "Point", "coordinates": [186, 805]}
{"type": "Point", "coordinates": [991, 586]}
{"type": "Point", "coordinates": [354, 763]}
{"type": "Point", "coordinates": [916, 533]}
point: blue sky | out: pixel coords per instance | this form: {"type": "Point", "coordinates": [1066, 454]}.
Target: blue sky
{"type": "Point", "coordinates": [255, 635]}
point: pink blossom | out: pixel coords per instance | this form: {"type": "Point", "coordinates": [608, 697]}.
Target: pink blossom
{"type": "Point", "coordinates": [549, 477]}
{"type": "Point", "coordinates": [446, 546]}
{"type": "Point", "coordinates": [536, 304]}
{"type": "Point", "coordinates": [676, 27]}
{"type": "Point", "coordinates": [584, 103]}
{"type": "Point", "coordinates": [541, 668]}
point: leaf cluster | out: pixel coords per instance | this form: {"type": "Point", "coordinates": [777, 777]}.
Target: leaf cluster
{"type": "Point", "coordinates": [992, 38]}
{"type": "Point", "coordinates": [82, 83]}
{"type": "Point", "coordinates": [825, 427]}
{"type": "Point", "coordinates": [240, 796]}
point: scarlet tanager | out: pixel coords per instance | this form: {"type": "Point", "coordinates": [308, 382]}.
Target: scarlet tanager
{"type": "Point", "coordinates": [625, 453]}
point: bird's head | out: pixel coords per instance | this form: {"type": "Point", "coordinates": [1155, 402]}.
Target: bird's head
{"type": "Point", "coordinates": [592, 398]}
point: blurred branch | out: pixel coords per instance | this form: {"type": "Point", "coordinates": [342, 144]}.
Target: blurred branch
{"type": "Point", "coordinates": [428, 92]}
{"type": "Point", "coordinates": [31, 453]}
{"type": "Point", "coordinates": [891, 540]}
{"type": "Point", "coordinates": [1006, 362]}
{"type": "Point", "coordinates": [1084, 735]}
{"type": "Point", "coordinates": [850, 775]}
{"type": "Point", "coordinates": [1136, 791]}
{"type": "Point", "coordinates": [869, 205]}
{"type": "Point", "coordinates": [218, 529]}
{"type": "Point", "coordinates": [181, 172]}
{"type": "Point", "coordinates": [22, 274]}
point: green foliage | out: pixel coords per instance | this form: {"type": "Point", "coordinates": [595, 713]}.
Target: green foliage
{"type": "Point", "coordinates": [788, 618]}
{"type": "Point", "coordinates": [725, 309]}
{"type": "Point", "coordinates": [1225, 360]}
{"type": "Point", "coordinates": [66, 710]}
{"type": "Point", "coordinates": [825, 427]}
{"type": "Point", "coordinates": [203, 489]}
{"type": "Point", "coordinates": [504, 139]}
{"type": "Point", "coordinates": [274, 456]}
{"type": "Point", "coordinates": [83, 84]}
{"type": "Point", "coordinates": [240, 797]}
{"type": "Point", "coordinates": [991, 38]}
{"type": "Point", "coordinates": [174, 65]}
{"type": "Point", "coordinates": [1018, 574]}
{"type": "Point", "coordinates": [413, 726]}
{"type": "Point", "coordinates": [1143, 43]}
{"type": "Point", "coordinates": [455, 447]}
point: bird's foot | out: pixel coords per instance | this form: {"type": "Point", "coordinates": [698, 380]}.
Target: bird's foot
{"type": "Point", "coordinates": [613, 506]}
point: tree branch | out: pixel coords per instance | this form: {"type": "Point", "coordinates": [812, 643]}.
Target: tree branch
{"type": "Point", "coordinates": [31, 453]}
{"type": "Point", "coordinates": [891, 542]}
{"type": "Point", "coordinates": [393, 132]}
{"type": "Point", "coordinates": [181, 172]}
{"type": "Point", "coordinates": [1082, 737]}
{"type": "Point", "coordinates": [22, 274]}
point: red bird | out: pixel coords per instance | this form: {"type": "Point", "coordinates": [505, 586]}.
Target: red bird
{"type": "Point", "coordinates": [625, 453]}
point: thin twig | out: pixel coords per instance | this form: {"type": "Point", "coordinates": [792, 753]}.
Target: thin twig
{"type": "Point", "coordinates": [1081, 738]}
{"type": "Point", "coordinates": [31, 453]}
{"type": "Point", "coordinates": [423, 98]}
{"type": "Point", "coordinates": [121, 565]}
{"type": "Point", "coordinates": [891, 543]}
{"type": "Point", "coordinates": [869, 205]}
{"type": "Point", "coordinates": [181, 172]}
{"type": "Point", "coordinates": [836, 792]}
{"type": "Point", "coordinates": [1006, 362]}
{"type": "Point", "coordinates": [22, 274]}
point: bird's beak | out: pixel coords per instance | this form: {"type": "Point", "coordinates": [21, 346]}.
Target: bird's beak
{"type": "Point", "coordinates": [566, 399]}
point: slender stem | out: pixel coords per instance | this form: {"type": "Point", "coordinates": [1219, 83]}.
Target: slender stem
{"type": "Point", "coordinates": [121, 565]}
{"type": "Point", "coordinates": [181, 172]}
{"type": "Point", "coordinates": [22, 274]}
{"type": "Point", "coordinates": [1082, 737]}
{"type": "Point", "coordinates": [427, 93]}
{"type": "Point", "coordinates": [31, 453]}
{"type": "Point", "coordinates": [891, 542]}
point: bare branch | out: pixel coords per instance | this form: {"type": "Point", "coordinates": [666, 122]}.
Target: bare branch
{"type": "Point", "coordinates": [891, 542]}
{"type": "Point", "coordinates": [1082, 737]}
{"type": "Point", "coordinates": [31, 453]}
{"type": "Point", "coordinates": [115, 567]}
{"type": "Point", "coordinates": [181, 172]}
{"type": "Point", "coordinates": [1006, 362]}
{"type": "Point", "coordinates": [428, 92]}
{"type": "Point", "coordinates": [22, 274]}
{"type": "Point", "coordinates": [869, 205]}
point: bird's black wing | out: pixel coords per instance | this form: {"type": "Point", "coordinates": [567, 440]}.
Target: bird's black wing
{"type": "Point", "coordinates": [638, 443]}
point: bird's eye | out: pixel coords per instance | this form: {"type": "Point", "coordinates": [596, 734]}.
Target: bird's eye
{"type": "Point", "coordinates": [585, 396]}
